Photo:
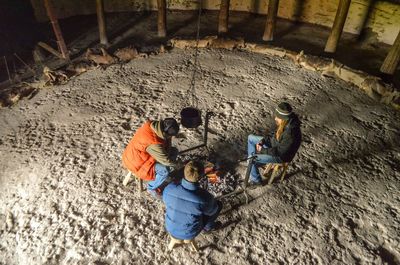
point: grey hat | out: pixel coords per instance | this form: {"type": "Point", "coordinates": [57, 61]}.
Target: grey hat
{"type": "Point", "coordinates": [283, 111]}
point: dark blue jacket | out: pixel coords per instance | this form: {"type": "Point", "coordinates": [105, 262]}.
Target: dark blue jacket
{"type": "Point", "coordinates": [286, 148]}
{"type": "Point", "coordinates": [186, 205]}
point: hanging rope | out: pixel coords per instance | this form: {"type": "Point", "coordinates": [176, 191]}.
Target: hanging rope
{"type": "Point", "coordinates": [192, 89]}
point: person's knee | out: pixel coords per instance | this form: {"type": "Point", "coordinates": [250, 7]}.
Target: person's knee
{"type": "Point", "coordinates": [252, 138]}
{"type": "Point", "coordinates": [161, 170]}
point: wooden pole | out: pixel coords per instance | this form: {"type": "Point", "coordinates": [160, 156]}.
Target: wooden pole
{"type": "Point", "coordinates": [393, 58]}
{"type": "Point", "coordinates": [338, 24]}
{"type": "Point", "coordinates": [271, 20]}
{"type": "Point", "coordinates": [162, 18]}
{"type": "Point", "coordinates": [56, 28]}
{"type": "Point", "coordinates": [101, 22]}
{"type": "Point", "coordinates": [223, 16]}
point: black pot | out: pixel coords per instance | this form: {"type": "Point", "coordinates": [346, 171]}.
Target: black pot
{"type": "Point", "coordinates": [190, 117]}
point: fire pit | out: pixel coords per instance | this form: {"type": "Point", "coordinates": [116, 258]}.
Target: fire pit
{"type": "Point", "coordinates": [218, 179]}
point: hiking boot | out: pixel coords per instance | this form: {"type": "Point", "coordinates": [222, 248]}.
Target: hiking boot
{"type": "Point", "coordinates": [253, 184]}
{"type": "Point", "coordinates": [217, 225]}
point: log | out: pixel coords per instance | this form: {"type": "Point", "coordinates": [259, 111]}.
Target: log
{"type": "Point", "coordinates": [223, 16]}
{"type": "Point", "coordinates": [57, 30]}
{"type": "Point", "coordinates": [162, 18]}
{"type": "Point", "coordinates": [271, 20]}
{"type": "Point", "coordinates": [101, 22]}
{"type": "Point", "coordinates": [393, 58]}
{"type": "Point", "coordinates": [338, 24]}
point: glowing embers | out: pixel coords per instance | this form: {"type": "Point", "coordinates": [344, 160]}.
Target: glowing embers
{"type": "Point", "coordinates": [219, 176]}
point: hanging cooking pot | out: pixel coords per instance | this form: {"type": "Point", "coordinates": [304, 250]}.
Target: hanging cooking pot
{"type": "Point", "coordinates": [190, 117]}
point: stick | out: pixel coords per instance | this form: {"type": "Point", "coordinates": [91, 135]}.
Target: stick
{"type": "Point", "coordinates": [8, 71]}
{"type": "Point", "coordinates": [50, 49]}
{"type": "Point", "coordinates": [30, 68]}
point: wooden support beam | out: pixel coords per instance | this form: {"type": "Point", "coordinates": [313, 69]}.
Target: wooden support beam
{"type": "Point", "coordinates": [271, 20]}
{"type": "Point", "coordinates": [338, 24]}
{"type": "Point", "coordinates": [101, 21]}
{"type": "Point", "coordinates": [57, 30]}
{"type": "Point", "coordinates": [223, 16]}
{"type": "Point", "coordinates": [393, 58]}
{"type": "Point", "coordinates": [162, 18]}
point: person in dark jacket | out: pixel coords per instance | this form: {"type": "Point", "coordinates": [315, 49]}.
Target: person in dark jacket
{"type": "Point", "coordinates": [279, 146]}
{"type": "Point", "coordinates": [189, 208]}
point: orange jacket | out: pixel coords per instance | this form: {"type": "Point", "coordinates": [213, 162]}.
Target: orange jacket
{"type": "Point", "coordinates": [135, 157]}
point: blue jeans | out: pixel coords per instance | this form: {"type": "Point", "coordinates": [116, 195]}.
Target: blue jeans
{"type": "Point", "coordinates": [209, 221]}
{"type": "Point", "coordinates": [260, 160]}
{"type": "Point", "coordinates": [162, 173]}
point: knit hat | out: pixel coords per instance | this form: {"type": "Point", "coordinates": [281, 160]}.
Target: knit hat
{"type": "Point", "coordinates": [283, 111]}
{"type": "Point", "coordinates": [170, 126]}
{"type": "Point", "coordinates": [192, 171]}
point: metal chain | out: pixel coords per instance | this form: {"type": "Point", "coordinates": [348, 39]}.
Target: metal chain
{"type": "Point", "coordinates": [192, 89]}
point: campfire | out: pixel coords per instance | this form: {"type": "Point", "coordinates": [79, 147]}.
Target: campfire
{"type": "Point", "coordinates": [218, 178]}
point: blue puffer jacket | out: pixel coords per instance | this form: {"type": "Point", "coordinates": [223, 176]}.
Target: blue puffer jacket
{"type": "Point", "coordinates": [186, 205]}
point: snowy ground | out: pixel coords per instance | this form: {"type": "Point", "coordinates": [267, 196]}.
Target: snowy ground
{"type": "Point", "coordinates": [62, 201]}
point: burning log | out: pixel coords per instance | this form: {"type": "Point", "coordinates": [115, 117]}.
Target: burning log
{"type": "Point", "coordinates": [217, 179]}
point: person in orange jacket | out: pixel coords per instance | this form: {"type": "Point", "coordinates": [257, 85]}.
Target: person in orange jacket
{"type": "Point", "coordinates": [148, 156]}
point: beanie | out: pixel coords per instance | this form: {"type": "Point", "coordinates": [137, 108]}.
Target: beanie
{"type": "Point", "coordinates": [170, 127]}
{"type": "Point", "coordinates": [283, 111]}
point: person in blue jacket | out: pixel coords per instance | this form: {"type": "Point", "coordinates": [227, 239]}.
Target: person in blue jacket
{"type": "Point", "coordinates": [189, 208]}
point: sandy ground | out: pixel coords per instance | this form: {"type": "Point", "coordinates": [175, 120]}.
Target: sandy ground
{"type": "Point", "coordinates": [62, 201]}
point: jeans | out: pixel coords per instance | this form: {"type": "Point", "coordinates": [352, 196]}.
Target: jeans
{"type": "Point", "coordinates": [162, 173]}
{"type": "Point", "coordinates": [260, 160]}
{"type": "Point", "coordinates": [209, 221]}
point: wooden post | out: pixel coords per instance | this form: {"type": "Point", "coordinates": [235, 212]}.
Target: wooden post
{"type": "Point", "coordinates": [338, 24]}
{"type": "Point", "coordinates": [101, 22]}
{"type": "Point", "coordinates": [393, 58]}
{"type": "Point", "coordinates": [162, 18]}
{"type": "Point", "coordinates": [57, 30]}
{"type": "Point", "coordinates": [223, 16]}
{"type": "Point", "coordinates": [271, 20]}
